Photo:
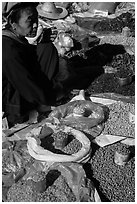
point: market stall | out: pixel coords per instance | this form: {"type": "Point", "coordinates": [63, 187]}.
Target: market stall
{"type": "Point", "coordinates": [84, 149]}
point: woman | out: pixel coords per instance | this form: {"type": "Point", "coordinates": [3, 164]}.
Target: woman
{"type": "Point", "coordinates": [28, 71]}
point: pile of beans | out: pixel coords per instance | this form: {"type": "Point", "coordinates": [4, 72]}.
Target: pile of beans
{"type": "Point", "coordinates": [22, 191]}
{"type": "Point", "coordinates": [68, 143]}
{"type": "Point", "coordinates": [73, 147]}
{"type": "Point", "coordinates": [41, 187]}
{"type": "Point", "coordinates": [123, 149]}
{"type": "Point", "coordinates": [116, 182]}
{"type": "Point", "coordinates": [118, 39]}
{"type": "Point", "coordinates": [118, 122]}
{"type": "Point", "coordinates": [107, 83]}
{"type": "Point", "coordinates": [123, 73]}
{"type": "Point", "coordinates": [58, 192]}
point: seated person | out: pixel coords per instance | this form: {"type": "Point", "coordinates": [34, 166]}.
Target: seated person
{"type": "Point", "coordinates": [28, 71]}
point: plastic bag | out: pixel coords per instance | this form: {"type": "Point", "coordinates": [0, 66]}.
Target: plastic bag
{"type": "Point", "coordinates": [15, 158]}
{"type": "Point", "coordinates": [15, 161]}
{"type": "Point", "coordinates": [39, 153]}
{"type": "Point", "coordinates": [80, 114]}
{"type": "Point", "coordinates": [81, 186]}
{"type": "Point", "coordinates": [62, 182]}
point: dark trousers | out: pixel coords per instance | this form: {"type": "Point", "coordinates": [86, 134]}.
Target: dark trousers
{"type": "Point", "coordinates": [48, 59]}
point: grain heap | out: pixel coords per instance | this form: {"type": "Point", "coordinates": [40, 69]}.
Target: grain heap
{"type": "Point", "coordinates": [42, 187]}
{"type": "Point", "coordinates": [62, 143]}
{"type": "Point", "coordinates": [58, 192]}
{"type": "Point", "coordinates": [116, 39]}
{"type": "Point", "coordinates": [123, 73]}
{"type": "Point", "coordinates": [107, 83]}
{"type": "Point", "coordinates": [118, 122]}
{"type": "Point", "coordinates": [116, 182]}
{"type": "Point", "coordinates": [22, 191]}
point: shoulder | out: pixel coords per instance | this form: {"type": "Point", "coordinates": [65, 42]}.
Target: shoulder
{"type": "Point", "coordinates": [8, 42]}
{"type": "Point", "coordinates": [9, 47]}
{"type": "Point", "coordinates": [12, 46]}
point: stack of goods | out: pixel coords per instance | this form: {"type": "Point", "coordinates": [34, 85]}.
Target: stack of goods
{"type": "Point", "coordinates": [118, 122]}
{"type": "Point", "coordinates": [116, 180]}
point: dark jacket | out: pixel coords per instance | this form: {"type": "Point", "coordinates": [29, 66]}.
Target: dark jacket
{"type": "Point", "coordinates": [24, 85]}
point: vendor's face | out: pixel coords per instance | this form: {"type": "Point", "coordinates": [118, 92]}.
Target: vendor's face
{"type": "Point", "coordinates": [28, 22]}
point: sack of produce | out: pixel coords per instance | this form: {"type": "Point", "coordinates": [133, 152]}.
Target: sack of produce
{"type": "Point", "coordinates": [59, 144]}
{"type": "Point", "coordinates": [61, 183]}
{"type": "Point", "coordinates": [80, 114]}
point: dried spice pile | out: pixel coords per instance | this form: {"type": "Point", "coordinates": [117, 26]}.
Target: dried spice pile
{"type": "Point", "coordinates": [58, 192]}
{"type": "Point", "coordinates": [68, 143]}
{"type": "Point", "coordinates": [118, 122]}
{"type": "Point", "coordinates": [116, 39]}
{"type": "Point", "coordinates": [107, 83]}
{"type": "Point", "coordinates": [116, 182]}
{"type": "Point", "coordinates": [42, 187]}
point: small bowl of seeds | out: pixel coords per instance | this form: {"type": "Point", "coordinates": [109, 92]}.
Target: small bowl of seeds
{"type": "Point", "coordinates": [124, 77]}
{"type": "Point", "coordinates": [124, 80]}
{"type": "Point", "coordinates": [122, 155]}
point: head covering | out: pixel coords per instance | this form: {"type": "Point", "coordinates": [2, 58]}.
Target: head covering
{"type": "Point", "coordinates": [50, 11]}
{"type": "Point", "coordinates": [8, 7]}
